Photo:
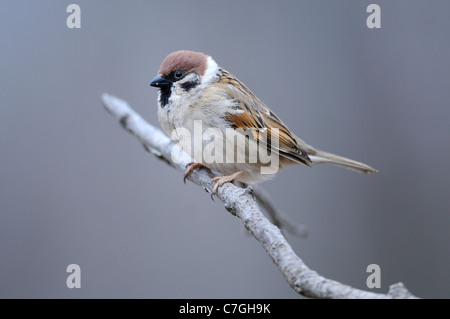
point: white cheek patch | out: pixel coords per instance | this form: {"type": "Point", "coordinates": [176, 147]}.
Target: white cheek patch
{"type": "Point", "coordinates": [188, 90]}
{"type": "Point", "coordinates": [180, 96]}
{"type": "Point", "coordinates": [188, 78]}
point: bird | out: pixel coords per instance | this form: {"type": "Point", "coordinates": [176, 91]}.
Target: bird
{"type": "Point", "coordinates": [194, 89]}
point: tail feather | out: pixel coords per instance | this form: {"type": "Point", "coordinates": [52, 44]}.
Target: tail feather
{"type": "Point", "coordinates": [319, 157]}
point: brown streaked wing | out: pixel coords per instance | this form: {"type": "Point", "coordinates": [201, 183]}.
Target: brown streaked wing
{"type": "Point", "coordinates": [257, 116]}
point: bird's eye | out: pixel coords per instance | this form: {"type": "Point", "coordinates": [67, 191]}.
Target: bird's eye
{"type": "Point", "coordinates": [178, 74]}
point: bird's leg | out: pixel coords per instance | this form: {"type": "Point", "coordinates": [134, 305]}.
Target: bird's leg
{"type": "Point", "coordinates": [220, 180]}
{"type": "Point", "coordinates": [190, 167]}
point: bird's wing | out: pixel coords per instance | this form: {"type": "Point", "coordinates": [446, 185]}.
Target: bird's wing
{"type": "Point", "coordinates": [249, 113]}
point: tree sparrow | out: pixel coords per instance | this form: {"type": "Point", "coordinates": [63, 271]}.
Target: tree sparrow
{"type": "Point", "coordinates": [193, 88]}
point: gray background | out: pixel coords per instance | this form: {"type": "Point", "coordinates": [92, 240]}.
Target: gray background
{"type": "Point", "coordinates": [76, 188]}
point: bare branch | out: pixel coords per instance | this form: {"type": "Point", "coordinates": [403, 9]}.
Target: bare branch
{"type": "Point", "coordinates": [278, 217]}
{"type": "Point", "coordinates": [241, 203]}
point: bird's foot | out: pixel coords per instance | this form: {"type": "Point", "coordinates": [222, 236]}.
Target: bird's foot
{"type": "Point", "coordinates": [220, 180]}
{"type": "Point", "coordinates": [190, 167]}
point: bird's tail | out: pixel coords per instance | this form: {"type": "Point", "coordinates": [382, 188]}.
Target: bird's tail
{"type": "Point", "coordinates": [319, 157]}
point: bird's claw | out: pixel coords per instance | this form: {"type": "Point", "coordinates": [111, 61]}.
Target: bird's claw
{"type": "Point", "coordinates": [190, 167]}
{"type": "Point", "coordinates": [220, 180]}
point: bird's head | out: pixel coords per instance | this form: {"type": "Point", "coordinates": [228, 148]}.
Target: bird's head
{"type": "Point", "coordinates": [182, 77]}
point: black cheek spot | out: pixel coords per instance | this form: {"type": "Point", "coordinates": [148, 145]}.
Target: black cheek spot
{"type": "Point", "coordinates": [189, 85]}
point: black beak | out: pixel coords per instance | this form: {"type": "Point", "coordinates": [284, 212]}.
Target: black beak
{"type": "Point", "coordinates": [160, 82]}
